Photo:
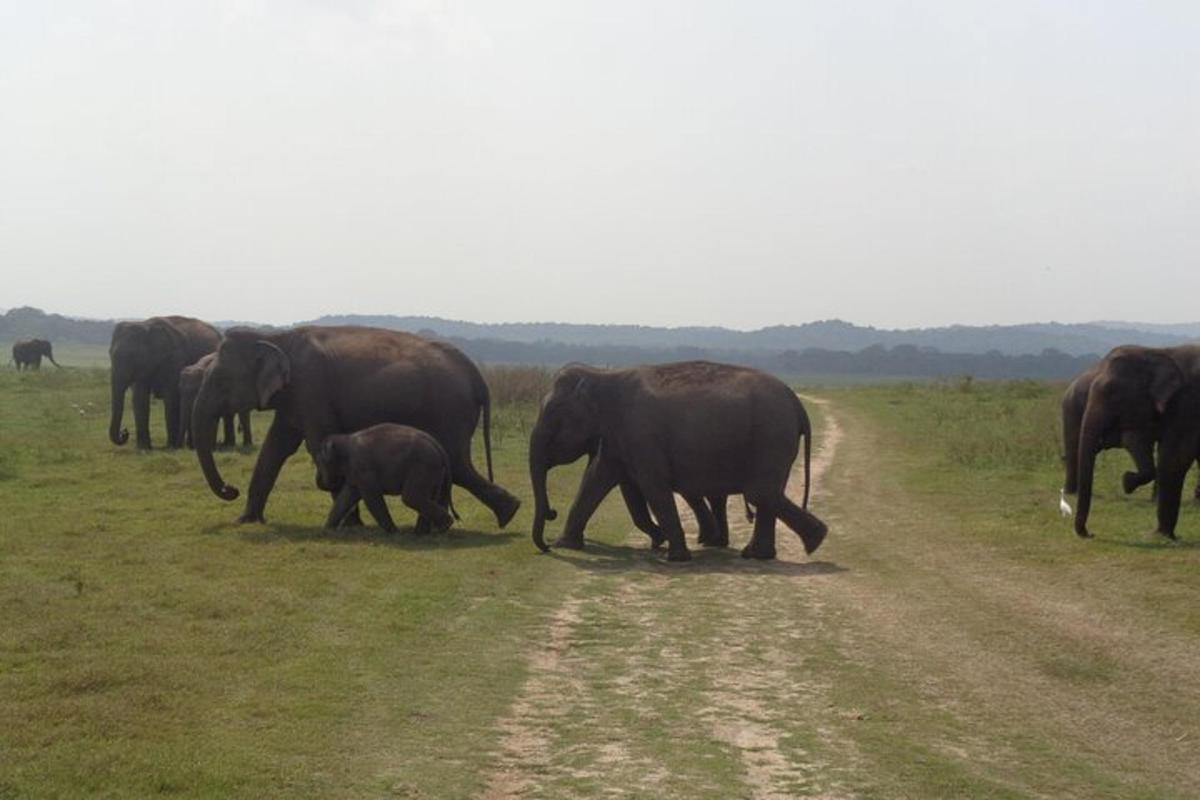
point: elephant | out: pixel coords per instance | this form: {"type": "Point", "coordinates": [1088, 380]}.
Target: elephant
{"type": "Point", "coordinates": [696, 428]}
{"type": "Point", "coordinates": [387, 459]}
{"type": "Point", "coordinates": [710, 514]}
{"type": "Point", "coordinates": [1139, 443]}
{"type": "Point", "coordinates": [190, 378]}
{"type": "Point", "coordinates": [1138, 389]}
{"type": "Point", "coordinates": [27, 353]}
{"type": "Point", "coordinates": [149, 355]}
{"type": "Point", "coordinates": [322, 381]}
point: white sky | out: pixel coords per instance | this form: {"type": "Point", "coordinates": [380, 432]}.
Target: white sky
{"type": "Point", "coordinates": [732, 163]}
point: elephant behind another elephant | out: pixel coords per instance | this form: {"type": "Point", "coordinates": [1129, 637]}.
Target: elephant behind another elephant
{"type": "Point", "coordinates": [190, 378]}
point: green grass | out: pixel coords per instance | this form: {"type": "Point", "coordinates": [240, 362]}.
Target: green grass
{"type": "Point", "coordinates": [150, 646]}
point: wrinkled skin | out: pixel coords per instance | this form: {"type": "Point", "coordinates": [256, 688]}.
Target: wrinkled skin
{"type": "Point", "coordinates": [28, 353]}
{"type": "Point", "coordinates": [323, 381]}
{"type": "Point", "coordinates": [190, 379]}
{"type": "Point", "coordinates": [1139, 442]}
{"type": "Point", "coordinates": [387, 459]}
{"type": "Point", "coordinates": [149, 356]}
{"type": "Point", "coordinates": [1138, 389]}
{"type": "Point", "coordinates": [693, 428]}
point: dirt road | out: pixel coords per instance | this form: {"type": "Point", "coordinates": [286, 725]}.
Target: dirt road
{"type": "Point", "coordinates": [904, 661]}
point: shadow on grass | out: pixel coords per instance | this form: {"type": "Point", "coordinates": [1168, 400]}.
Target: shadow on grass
{"type": "Point", "coordinates": [404, 539]}
{"type": "Point", "coordinates": [598, 557]}
{"type": "Point", "coordinates": [1151, 541]}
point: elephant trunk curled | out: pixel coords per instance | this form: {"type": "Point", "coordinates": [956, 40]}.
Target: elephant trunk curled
{"type": "Point", "coordinates": [539, 466]}
{"type": "Point", "coordinates": [205, 416]}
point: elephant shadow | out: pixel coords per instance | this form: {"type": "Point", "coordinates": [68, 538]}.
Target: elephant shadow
{"type": "Point", "coordinates": [1154, 542]}
{"type": "Point", "coordinates": [404, 539]}
{"type": "Point", "coordinates": [601, 558]}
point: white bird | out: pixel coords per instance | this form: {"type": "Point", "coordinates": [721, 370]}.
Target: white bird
{"type": "Point", "coordinates": [1064, 507]}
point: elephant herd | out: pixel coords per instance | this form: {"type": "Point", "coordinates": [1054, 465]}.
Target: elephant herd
{"type": "Point", "coordinates": [1147, 400]}
{"type": "Point", "coordinates": [385, 412]}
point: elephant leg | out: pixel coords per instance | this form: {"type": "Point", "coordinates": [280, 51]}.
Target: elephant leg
{"type": "Point", "coordinates": [704, 520]}
{"type": "Point", "coordinates": [346, 499]}
{"type": "Point", "coordinates": [502, 503]}
{"type": "Point", "coordinates": [635, 503]}
{"type": "Point", "coordinates": [244, 421]}
{"type": "Point", "coordinates": [282, 440]}
{"type": "Point", "coordinates": [379, 510]}
{"type": "Point", "coordinates": [172, 412]}
{"type": "Point", "coordinates": [230, 434]}
{"type": "Point", "coordinates": [141, 414]}
{"type": "Point", "coordinates": [420, 498]}
{"type": "Point", "coordinates": [1175, 456]}
{"type": "Point", "coordinates": [1196, 492]}
{"type": "Point", "coordinates": [1141, 449]}
{"type": "Point", "coordinates": [718, 521]}
{"type": "Point", "coordinates": [762, 543]}
{"type": "Point", "coordinates": [598, 480]}
{"type": "Point", "coordinates": [807, 526]}
{"type": "Point", "coordinates": [662, 503]}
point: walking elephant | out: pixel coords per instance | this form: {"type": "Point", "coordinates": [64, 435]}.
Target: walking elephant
{"type": "Point", "coordinates": [330, 380]}
{"type": "Point", "coordinates": [149, 355]}
{"type": "Point", "coordinates": [695, 428]}
{"type": "Point", "coordinates": [190, 378]}
{"type": "Point", "coordinates": [1138, 442]}
{"type": "Point", "coordinates": [1139, 389]}
{"type": "Point", "coordinates": [28, 353]}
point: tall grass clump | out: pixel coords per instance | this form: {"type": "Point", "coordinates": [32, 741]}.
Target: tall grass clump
{"type": "Point", "coordinates": [516, 393]}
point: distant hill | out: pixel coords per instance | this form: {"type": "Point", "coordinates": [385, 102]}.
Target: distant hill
{"type": "Point", "coordinates": [825, 348]}
{"type": "Point", "coordinates": [1077, 339]}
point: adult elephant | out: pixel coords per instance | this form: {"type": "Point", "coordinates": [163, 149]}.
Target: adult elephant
{"type": "Point", "coordinates": [1139, 443]}
{"type": "Point", "coordinates": [28, 353]}
{"type": "Point", "coordinates": [329, 380]}
{"type": "Point", "coordinates": [190, 378]}
{"type": "Point", "coordinates": [695, 428]}
{"type": "Point", "coordinates": [149, 355]}
{"type": "Point", "coordinates": [1144, 388]}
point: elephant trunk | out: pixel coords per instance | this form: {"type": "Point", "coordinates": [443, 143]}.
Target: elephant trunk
{"type": "Point", "coordinates": [1091, 437]}
{"type": "Point", "coordinates": [50, 356]}
{"type": "Point", "coordinates": [1071, 423]}
{"type": "Point", "coordinates": [205, 416]}
{"type": "Point", "coordinates": [539, 466]}
{"type": "Point", "coordinates": [116, 434]}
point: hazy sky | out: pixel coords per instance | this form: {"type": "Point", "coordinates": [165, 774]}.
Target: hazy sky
{"type": "Point", "coordinates": [733, 163]}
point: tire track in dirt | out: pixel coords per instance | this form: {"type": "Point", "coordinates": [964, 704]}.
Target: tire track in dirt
{"type": "Point", "coordinates": [604, 668]}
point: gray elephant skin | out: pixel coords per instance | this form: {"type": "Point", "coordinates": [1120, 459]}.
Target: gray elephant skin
{"type": "Point", "coordinates": [323, 381]}
{"type": "Point", "coordinates": [387, 459]}
{"type": "Point", "coordinates": [28, 353]}
{"type": "Point", "coordinates": [1138, 389]}
{"type": "Point", "coordinates": [190, 378]}
{"type": "Point", "coordinates": [149, 356]}
{"type": "Point", "coordinates": [695, 428]}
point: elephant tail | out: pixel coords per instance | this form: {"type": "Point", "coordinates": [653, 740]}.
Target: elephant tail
{"type": "Point", "coordinates": [806, 434]}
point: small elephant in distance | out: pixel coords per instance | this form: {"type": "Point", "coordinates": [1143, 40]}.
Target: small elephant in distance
{"type": "Point", "coordinates": [387, 459]}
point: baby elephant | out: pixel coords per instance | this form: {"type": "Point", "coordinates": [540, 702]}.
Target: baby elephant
{"type": "Point", "coordinates": [387, 459]}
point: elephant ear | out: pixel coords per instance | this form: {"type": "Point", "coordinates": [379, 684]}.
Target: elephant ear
{"type": "Point", "coordinates": [162, 339]}
{"type": "Point", "coordinates": [1165, 381]}
{"type": "Point", "coordinates": [272, 371]}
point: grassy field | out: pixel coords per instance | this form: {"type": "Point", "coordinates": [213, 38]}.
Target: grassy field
{"type": "Point", "coordinates": [952, 639]}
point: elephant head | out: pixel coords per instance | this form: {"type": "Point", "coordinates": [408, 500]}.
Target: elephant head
{"type": "Point", "coordinates": [246, 373]}
{"type": "Point", "coordinates": [45, 348]}
{"type": "Point", "coordinates": [330, 460]}
{"type": "Point", "coordinates": [568, 427]}
{"type": "Point", "coordinates": [1133, 388]}
{"type": "Point", "coordinates": [137, 351]}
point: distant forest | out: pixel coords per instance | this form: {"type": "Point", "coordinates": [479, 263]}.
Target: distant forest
{"type": "Point", "coordinates": [819, 349]}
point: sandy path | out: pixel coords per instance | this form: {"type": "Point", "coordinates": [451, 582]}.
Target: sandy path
{"type": "Point", "coordinates": [570, 730]}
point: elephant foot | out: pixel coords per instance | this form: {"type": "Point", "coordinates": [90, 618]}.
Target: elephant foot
{"type": "Point", "coordinates": [715, 542]}
{"type": "Point", "coordinates": [1130, 482]}
{"type": "Point", "coordinates": [1083, 533]}
{"type": "Point", "coordinates": [506, 509]}
{"type": "Point", "coordinates": [1168, 534]}
{"type": "Point", "coordinates": [679, 554]}
{"type": "Point", "coordinates": [570, 543]}
{"type": "Point", "coordinates": [390, 530]}
{"type": "Point", "coordinates": [250, 517]}
{"type": "Point", "coordinates": [763, 553]}
{"type": "Point", "coordinates": [352, 520]}
{"type": "Point", "coordinates": [814, 536]}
